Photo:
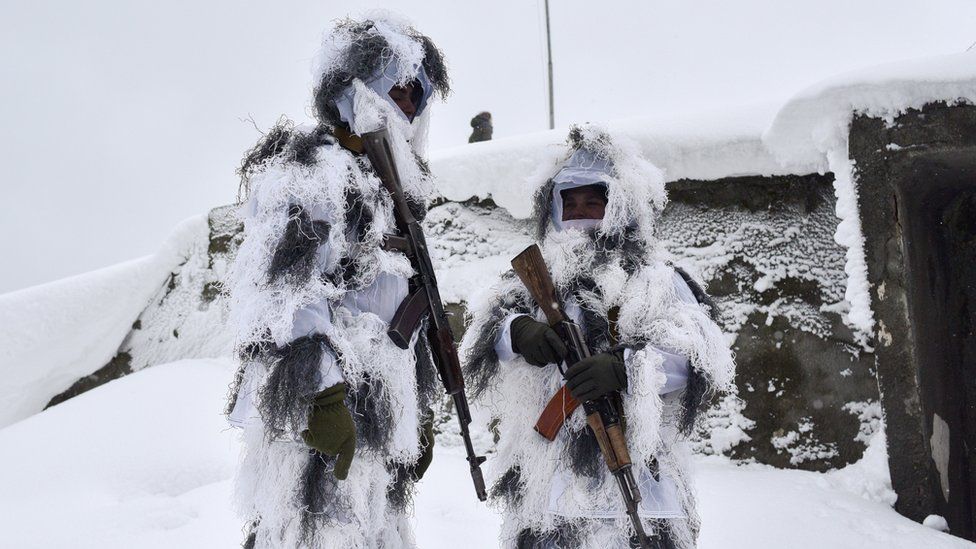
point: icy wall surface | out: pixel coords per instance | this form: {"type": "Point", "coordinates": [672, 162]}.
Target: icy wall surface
{"type": "Point", "coordinates": [764, 247]}
{"type": "Point", "coordinates": [471, 244]}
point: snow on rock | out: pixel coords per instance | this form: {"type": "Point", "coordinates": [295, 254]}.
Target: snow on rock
{"type": "Point", "coordinates": [471, 246]}
{"type": "Point", "coordinates": [803, 445]}
{"type": "Point", "coordinates": [723, 427]}
{"type": "Point", "coordinates": [187, 317]}
{"type": "Point", "coordinates": [850, 235]}
{"type": "Point", "coordinates": [869, 477]}
{"type": "Point", "coordinates": [936, 523]}
{"type": "Point", "coordinates": [777, 244]}
{"type": "Point", "coordinates": [869, 415]}
{"type": "Point", "coordinates": [812, 129]}
{"type": "Point", "coordinates": [53, 334]}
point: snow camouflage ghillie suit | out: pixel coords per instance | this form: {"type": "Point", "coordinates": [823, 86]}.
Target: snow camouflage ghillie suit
{"type": "Point", "coordinates": [312, 292]}
{"type": "Point", "coordinates": [611, 277]}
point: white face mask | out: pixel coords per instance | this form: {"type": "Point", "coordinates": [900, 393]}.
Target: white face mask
{"type": "Point", "coordinates": [580, 224]}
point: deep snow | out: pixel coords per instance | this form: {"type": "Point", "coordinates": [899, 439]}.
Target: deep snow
{"type": "Point", "coordinates": [146, 461]}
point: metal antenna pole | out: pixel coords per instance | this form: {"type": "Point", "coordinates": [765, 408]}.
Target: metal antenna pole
{"type": "Point", "coordinates": [552, 114]}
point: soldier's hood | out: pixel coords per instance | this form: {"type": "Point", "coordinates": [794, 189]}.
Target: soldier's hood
{"type": "Point", "coordinates": [635, 187]}
{"type": "Point", "coordinates": [584, 168]}
{"type": "Point", "coordinates": [360, 61]}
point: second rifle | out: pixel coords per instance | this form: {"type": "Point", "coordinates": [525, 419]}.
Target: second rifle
{"type": "Point", "coordinates": [603, 416]}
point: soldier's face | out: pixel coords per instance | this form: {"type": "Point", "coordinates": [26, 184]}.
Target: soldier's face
{"type": "Point", "coordinates": [403, 97]}
{"type": "Point", "coordinates": [584, 203]}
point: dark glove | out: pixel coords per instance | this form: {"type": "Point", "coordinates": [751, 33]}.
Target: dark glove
{"type": "Point", "coordinates": [536, 342]}
{"type": "Point", "coordinates": [597, 375]}
{"type": "Point", "coordinates": [331, 430]}
{"type": "Point", "coordinates": [426, 449]}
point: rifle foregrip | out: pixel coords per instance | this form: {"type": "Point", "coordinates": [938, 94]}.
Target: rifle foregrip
{"type": "Point", "coordinates": [612, 443]}
{"type": "Point", "coordinates": [618, 443]}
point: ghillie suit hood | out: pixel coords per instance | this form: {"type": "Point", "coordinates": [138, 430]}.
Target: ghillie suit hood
{"type": "Point", "coordinates": [312, 290]}
{"type": "Point", "coordinates": [361, 61]}
{"type": "Point", "coordinates": [612, 274]}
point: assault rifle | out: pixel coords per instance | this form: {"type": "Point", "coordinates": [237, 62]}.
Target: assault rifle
{"type": "Point", "coordinates": [602, 414]}
{"type": "Point", "coordinates": [424, 300]}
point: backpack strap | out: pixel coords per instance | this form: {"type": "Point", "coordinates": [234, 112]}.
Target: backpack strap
{"type": "Point", "coordinates": [700, 295]}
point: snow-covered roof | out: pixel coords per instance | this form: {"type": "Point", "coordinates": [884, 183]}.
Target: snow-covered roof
{"type": "Point", "coordinates": [815, 119]}
{"type": "Point", "coordinates": [702, 147]}
{"type": "Point", "coordinates": [758, 140]}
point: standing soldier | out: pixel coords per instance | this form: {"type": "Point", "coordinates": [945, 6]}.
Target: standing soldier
{"type": "Point", "coordinates": [336, 417]}
{"type": "Point", "coordinates": [657, 354]}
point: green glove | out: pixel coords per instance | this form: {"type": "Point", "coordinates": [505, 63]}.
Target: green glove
{"type": "Point", "coordinates": [537, 342]}
{"type": "Point", "coordinates": [331, 430]}
{"type": "Point", "coordinates": [597, 375]}
{"type": "Point", "coordinates": [426, 449]}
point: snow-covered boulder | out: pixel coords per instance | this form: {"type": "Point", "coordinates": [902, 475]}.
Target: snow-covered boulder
{"type": "Point", "coordinates": [53, 334]}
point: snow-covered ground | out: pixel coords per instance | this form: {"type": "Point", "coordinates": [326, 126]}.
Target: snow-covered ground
{"type": "Point", "coordinates": [147, 460]}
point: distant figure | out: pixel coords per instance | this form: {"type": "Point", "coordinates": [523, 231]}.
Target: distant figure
{"type": "Point", "coordinates": [482, 127]}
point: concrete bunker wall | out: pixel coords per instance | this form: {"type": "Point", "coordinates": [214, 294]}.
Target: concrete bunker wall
{"type": "Point", "coordinates": [764, 247]}
{"type": "Point", "coordinates": [916, 179]}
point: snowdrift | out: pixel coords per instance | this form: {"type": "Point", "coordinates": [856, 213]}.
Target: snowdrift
{"type": "Point", "coordinates": [147, 461]}
{"type": "Point", "coordinates": [52, 335]}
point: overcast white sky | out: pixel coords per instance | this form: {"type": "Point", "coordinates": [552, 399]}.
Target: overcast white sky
{"type": "Point", "coordinates": [119, 118]}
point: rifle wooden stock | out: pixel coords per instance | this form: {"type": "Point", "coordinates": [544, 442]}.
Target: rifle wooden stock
{"type": "Point", "coordinates": [532, 271]}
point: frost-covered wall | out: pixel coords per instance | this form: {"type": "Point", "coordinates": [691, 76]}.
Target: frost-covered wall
{"type": "Point", "coordinates": [764, 247]}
